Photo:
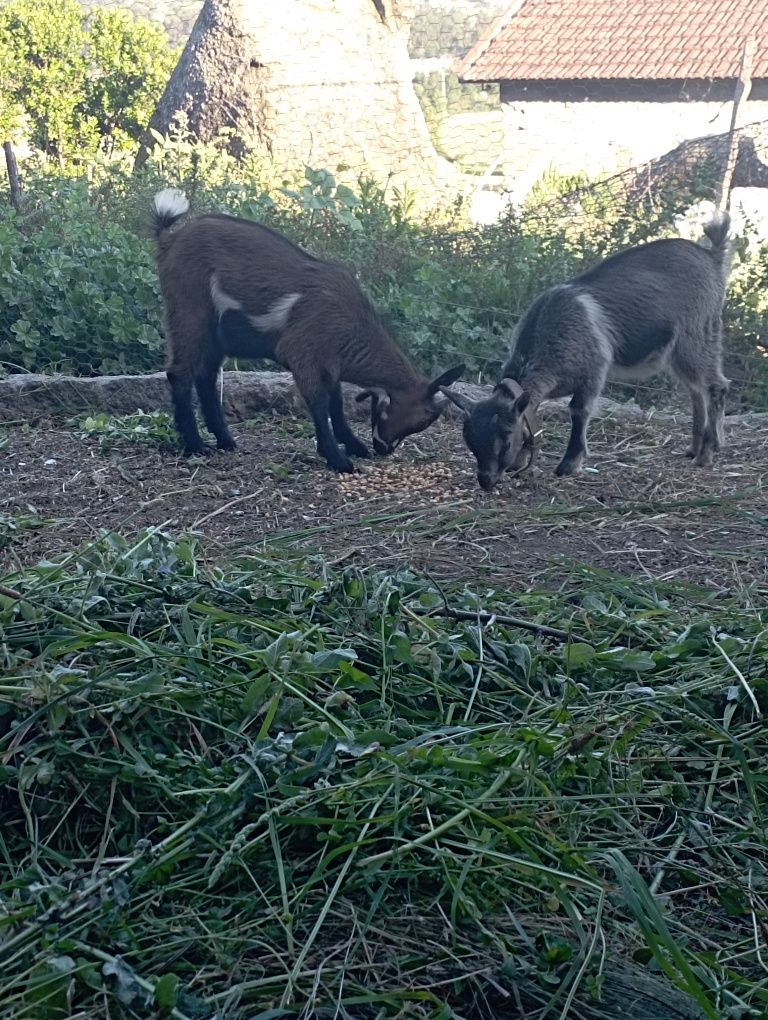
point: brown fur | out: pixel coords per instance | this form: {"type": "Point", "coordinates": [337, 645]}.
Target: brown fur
{"type": "Point", "coordinates": [330, 334]}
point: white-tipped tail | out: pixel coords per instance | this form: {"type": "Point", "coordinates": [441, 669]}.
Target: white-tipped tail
{"type": "Point", "coordinates": [170, 203]}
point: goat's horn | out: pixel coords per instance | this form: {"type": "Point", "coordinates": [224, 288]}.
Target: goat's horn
{"type": "Point", "coordinates": [463, 403]}
{"type": "Point", "coordinates": [376, 393]}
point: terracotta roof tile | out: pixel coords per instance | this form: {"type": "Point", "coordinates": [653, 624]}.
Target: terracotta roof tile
{"type": "Point", "coordinates": [641, 39]}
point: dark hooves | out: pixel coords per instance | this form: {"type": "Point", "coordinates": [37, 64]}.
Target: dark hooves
{"type": "Point", "coordinates": [343, 466]}
{"type": "Point", "coordinates": [357, 449]}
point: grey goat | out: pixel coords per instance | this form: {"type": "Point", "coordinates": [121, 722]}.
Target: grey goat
{"type": "Point", "coordinates": [656, 307]}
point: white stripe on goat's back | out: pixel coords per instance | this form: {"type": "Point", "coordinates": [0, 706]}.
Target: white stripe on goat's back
{"type": "Point", "coordinates": [222, 301]}
{"type": "Point", "coordinates": [277, 316]}
{"type": "Point", "coordinates": [599, 322]}
{"type": "Point", "coordinates": [171, 202]}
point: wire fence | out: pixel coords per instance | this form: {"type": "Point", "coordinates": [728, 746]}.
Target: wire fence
{"type": "Point", "coordinates": [585, 163]}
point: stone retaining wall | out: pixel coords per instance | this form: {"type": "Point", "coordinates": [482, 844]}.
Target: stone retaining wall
{"type": "Point", "coordinates": [31, 397]}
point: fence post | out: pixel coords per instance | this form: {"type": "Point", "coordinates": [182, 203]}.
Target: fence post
{"type": "Point", "coordinates": [14, 180]}
{"type": "Point", "coordinates": [741, 93]}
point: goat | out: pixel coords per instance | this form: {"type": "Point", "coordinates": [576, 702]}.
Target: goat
{"type": "Point", "coordinates": [236, 288]}
{"type": "Point", "coordinates": [655, 307]}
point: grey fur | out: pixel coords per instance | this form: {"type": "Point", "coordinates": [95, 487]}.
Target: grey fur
{"type": "Point", "coordinates": [656, 307]}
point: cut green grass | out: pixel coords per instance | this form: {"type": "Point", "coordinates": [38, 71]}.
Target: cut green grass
{"type": "Point", "coordinates": [13, 526]}
{"type": "Point", "coordinates": [244, 793]}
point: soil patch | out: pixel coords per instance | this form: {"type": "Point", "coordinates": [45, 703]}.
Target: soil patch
{"type": "Point", "coordinates": [640, 508]}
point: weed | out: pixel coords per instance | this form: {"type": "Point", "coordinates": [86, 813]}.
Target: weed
{"type": "Point", "coordinates": [14, 525]}
{"type": "Point", "coordinates": [153, 428]}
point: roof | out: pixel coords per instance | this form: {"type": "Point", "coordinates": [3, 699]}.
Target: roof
{"type": "Point", "coordinates": [635, 39]}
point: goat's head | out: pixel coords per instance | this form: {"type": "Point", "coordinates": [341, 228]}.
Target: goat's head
{"type": "Point", "coordinates": [500, 431]}
{"type": "Point", "coordinates": [396, 414]}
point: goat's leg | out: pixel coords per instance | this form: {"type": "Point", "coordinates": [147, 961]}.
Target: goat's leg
{"type": "Point", "coordinates": [206, 384]}
{"type": "Point", "coordinates": [713, 432]}
{"type": "Point", "coordinates": [699, 423]}
{"type": "Point", "coordinates": [180, 384]}
{"type": "Point", "coordinates": [318, 400]}
{"type": "Point", "coordinates": [581, 411]}
{"type": "Point", "coordinates": [697, 362]}
{"type": "Point", "coordinates": [341, 429]}
{"type": "Point", "coordinates": [188, 334]}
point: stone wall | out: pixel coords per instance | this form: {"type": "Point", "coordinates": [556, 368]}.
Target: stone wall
{"type": "Point", "coordinates": [176, 16]}
{"type": "Point", "coordinates": [597, 129]}
{"type": "Point", "coordinates": [444, 29]}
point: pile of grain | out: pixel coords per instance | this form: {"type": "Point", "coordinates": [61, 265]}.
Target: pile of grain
{"type": "Point", "coordinates": [431, 481]}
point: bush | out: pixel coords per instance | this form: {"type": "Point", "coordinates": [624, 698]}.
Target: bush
{"type": "Point", "coordinates": [78, 84]}
{"type": "Point", "coordinates": [130, 63]}
{"type": "Point", "coordinates": [78, 289]}
{"type": "Point", "coordinates": [78, 293]}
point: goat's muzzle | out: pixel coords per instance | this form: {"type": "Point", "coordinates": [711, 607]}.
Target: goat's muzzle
{"type": "Point", "coordinates": [384, 449]}
{"type": "Point", "coordinates": [486, 481]}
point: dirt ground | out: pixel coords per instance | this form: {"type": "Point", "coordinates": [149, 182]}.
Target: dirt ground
{"type": "Point", "coordinates": [640, 508]}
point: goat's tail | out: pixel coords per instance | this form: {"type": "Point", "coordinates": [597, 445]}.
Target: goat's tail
{"type": "Point", "coordinates": [717, 230]}
{"type": "Point", "coordinates": [168, 205]}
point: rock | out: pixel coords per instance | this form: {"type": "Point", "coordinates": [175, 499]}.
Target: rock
{"type": "Point", "coordinates": [246, 394]}
{"type": "Point", "coordinates": [557, 409]}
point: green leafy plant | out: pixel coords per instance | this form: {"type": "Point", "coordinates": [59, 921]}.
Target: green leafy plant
{"type": "Point", "coordinates": [78, 292]}
{"type": "Point", "coordinates": [153, 428]}
{"type": "Point", "coordinates": [323, 197]}
{"type": "Point", "coordinates": [78, 83]}
{"type": "Point", "coordinates": [14, 525]}
{"type": "Point", "coordinates": [129, 63]}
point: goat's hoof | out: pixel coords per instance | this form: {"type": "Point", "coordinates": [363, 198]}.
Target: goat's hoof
{"type": "Point", "coordinates": [226, 444]}
{"type": "Point", "coordinates": [704, 459]}
{"type": "Point", "coordinates": [567, 467]}
{"type": "Point", "coordinates": [203, 450]}
{"type": "Point", "coordinates": [357, 449]}
{"type": "Point", "coordinates": [692, 452]}
{"type": "Point", "coordinates": [343, 465]}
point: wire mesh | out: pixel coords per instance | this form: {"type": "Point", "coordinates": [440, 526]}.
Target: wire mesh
{"type": "Point", "coordinates": [572, 159]}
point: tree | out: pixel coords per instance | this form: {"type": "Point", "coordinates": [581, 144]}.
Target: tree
{"type": "Point", "coordinates": [74, 83]}
{"type": "Point", "coordinates": [306, 82]}
{"type": "Point", "coordinates": [42, 71]}
{"type": "Point", "coordinates": [130, 62]}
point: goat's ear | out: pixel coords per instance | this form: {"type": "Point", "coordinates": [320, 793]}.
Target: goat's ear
{"type": "Point", "coordinates": [463, 403]}
{"type": "Point", "coordinates": [446, 379]}
{"type": "Point", "coordinates": [522, 402]}
{"type": "Point", "coordinates": [512, 409]}
{"type": "Point", "coordinates": [379, 397]}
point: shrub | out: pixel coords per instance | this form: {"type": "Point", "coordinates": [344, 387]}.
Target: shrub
{"type": "Point", "coordinates": [78, 293]}
{"type": "Point", "coordinates": [78, 289]}
{"type": "Point", "coordinates": [130, 62]}
{"type": "Point", "coordinates": [77, 84]}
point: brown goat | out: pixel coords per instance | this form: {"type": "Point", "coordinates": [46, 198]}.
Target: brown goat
{"type": "Point", "coordinates": [236, 288]}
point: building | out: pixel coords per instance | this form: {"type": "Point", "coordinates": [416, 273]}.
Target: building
{"type": "Point", "coordinates": [598, 85]}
